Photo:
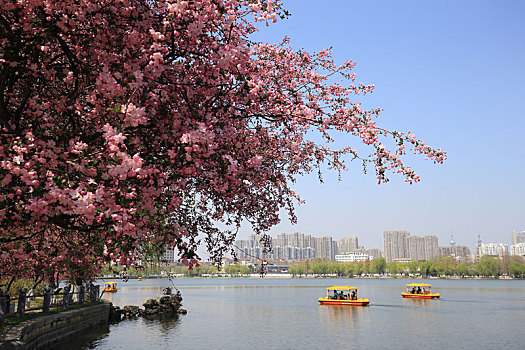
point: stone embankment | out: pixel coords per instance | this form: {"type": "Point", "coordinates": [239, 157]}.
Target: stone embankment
{"type": "Point", "coordinates": [46, 331]}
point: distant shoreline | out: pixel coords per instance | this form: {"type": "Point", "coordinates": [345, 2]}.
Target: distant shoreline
{"type": "Point", "coordinates": [253, 275]}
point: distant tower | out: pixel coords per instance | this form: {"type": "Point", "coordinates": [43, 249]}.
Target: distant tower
{"type": "Point", "coordinates": [452, 243]}
{"type": "Point", "coordinates": [478, 246]}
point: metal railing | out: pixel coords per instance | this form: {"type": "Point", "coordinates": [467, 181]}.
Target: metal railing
{"type": "Point", "coordinates": [59, 298]}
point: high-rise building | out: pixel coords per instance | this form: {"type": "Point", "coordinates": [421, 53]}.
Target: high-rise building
{"type": "Point", "coordinates": [400, 245]}
{"type": "Point", "coordinates": [168, 256]}
{"type": "Point", "coordinates": [458, 251]}
{"type": "Point", "coordinates": [494, 249]}
{"type": "Point", "coordinates": [324, 248]}
{"type": "Point", "coordinates": [444, 251]}
{"type": "Point", "coordinates": [373, 252]}
{"type": "Point", "coordinates": [296, 246]}
{"type": "Point", "coordinates": [251, 248]}
{"type": "Point", "coordinates": [431, 247]}
{"type": "Point", "coordinates": [423, 247]}
{"type": "Point", "coordinates": [461, 251]}
{"type": "Point", "coordinates": [416, 248]}
{"type": "Point", "coordinates": [287, 246]}
{"type": "Point", "coordinates": [395, 245]}
{"type": "Point", "coordinates": [296, 239]}
{"type": "Point", "coordinates": [293, 246]}
{"type": "Point", "coordinates": [346, 245]}
{"type": "Point", "coordinates": [517, 249]}
{"type": "Point", "coordinates": [517, 237]}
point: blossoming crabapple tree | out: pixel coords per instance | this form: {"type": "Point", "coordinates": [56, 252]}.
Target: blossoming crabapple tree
{"type": "Point", "coordinates": [126, 122]}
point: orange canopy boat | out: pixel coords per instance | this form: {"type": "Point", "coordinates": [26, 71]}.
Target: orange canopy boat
{"type": "Point", "coordinates": [336, 296]}
{"type": "Point", "coordinates": [110, 287]}
{"type": "Point", "coordinates": [419, 291]}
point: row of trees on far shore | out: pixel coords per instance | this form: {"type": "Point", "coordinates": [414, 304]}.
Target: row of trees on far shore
{"type": "Point", "coordinates": [513, 266]}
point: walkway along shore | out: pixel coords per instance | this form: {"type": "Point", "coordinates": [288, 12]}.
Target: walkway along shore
{"type": "Point", "coordinates": [287, 275]}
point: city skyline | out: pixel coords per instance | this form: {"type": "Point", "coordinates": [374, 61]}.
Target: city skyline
{"type": "Point", "coordinates": [451, 73]}
{"type": "Point", "coordinates": [409, 246]}
{"type": "Point", "coordinates": [298, 246]}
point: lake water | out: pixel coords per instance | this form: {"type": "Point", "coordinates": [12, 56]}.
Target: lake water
{"type": "Point", "coordinates": [278, 313]}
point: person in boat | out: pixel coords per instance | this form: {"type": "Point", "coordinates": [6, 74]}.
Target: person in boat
{"type": "Point", "coordinates": [418, 290]}
{"type": "Point", "coordinates": [354, 297]}
{"type": "Point", "coordinates": [413, 291]}
{"type": "Point", "coordinates": [335, 295]}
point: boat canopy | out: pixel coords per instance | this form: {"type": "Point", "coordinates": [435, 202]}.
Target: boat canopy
{"type": "Point", "coordinates": [341, 288]}
{"type": "Point", "coordinates": [110, 283]}
{"type": "Point", "coordinates": [418, 285]}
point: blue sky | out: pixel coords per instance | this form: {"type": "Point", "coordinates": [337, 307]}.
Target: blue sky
{"type": "Point", "coordinates": [453, 73]}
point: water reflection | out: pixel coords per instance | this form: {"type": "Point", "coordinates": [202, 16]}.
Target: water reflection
{"type": "Point", "coordinates": [108, 297]}
{"type": "Point", "coordinates": [85, 340]}
{"type": "Point", "coordinates": [420, 302]}
{"type": "Point", "coordinates": [167, 322]}
{"type": "Point", "coordinates": [138, 333]}
{"type": "Point", "coordinates": [335, 315]}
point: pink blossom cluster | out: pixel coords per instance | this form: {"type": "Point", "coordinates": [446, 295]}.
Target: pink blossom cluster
{"type": "Point", "coordinates": [128, 124]}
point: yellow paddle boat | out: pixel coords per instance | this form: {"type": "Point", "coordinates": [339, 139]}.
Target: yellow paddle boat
{"type": "Point", "coordinates": [342, 295]}
{"type": "Point", "coordinates": [110, 287]}
{"type": "Point", "coordinates": [140, 278]}
{"type": "Point", "coordinates": [419, 291]}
